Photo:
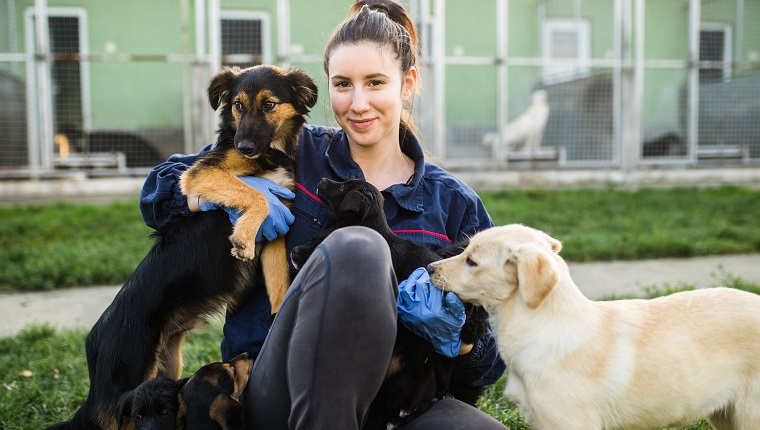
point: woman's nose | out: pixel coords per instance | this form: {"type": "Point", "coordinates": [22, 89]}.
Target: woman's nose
{"type": "Point", "coordinates": [359, 102]}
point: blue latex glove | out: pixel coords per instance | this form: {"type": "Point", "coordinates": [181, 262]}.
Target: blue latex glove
{"type": "Point", "coordinates": [277, 223]}
{"type": "Point", "coordinates": [431, 314]}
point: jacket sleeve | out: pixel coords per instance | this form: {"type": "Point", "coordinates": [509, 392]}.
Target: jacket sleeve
{"type": "Point", "coordinates": [161, 201]}
{"type": "Point", "coordinates": [483, 365]}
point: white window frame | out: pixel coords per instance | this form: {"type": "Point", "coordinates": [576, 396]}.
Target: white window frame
{"type": "Point", "coordinates": [557, 70]}
{"type": "Point", "coordinates": [84, 77]}
{"type": "Point", "coordinates": [727, 44]}
{"type": "Point", "coordinates": [41, 147]}
{"type": "Point", "coordinates": [266, 35]}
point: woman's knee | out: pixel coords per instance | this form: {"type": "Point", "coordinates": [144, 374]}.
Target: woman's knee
{"type": "Point", "coordinates": [358, 266]}
{"type": "Point", "coordinates": [360, 248]}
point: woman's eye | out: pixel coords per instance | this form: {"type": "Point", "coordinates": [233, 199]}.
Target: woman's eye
{"type": "Point", "coordinates": [470, 262]}
{"type": "Point", "coordinates": [269, 105]}
{"type": "Point", "coordinates": [237, 105]}
{"type": "Point", "coordinates": [341, 84]}
{"type": "Point", "coordinates": [375, 83]}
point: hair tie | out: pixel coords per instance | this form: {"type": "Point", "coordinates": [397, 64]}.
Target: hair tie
{"type": "Point", "coordinates": [380, 7]}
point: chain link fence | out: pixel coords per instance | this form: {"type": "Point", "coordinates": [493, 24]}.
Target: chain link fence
{"type": "Point", "coordinates": [106, 88]}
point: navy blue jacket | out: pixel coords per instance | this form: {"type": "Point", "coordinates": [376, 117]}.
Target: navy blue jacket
{"type": "Point", "coordinates": [433, 209]}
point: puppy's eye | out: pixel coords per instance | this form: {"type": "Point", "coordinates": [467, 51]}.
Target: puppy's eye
{"type": "Point", "coordinates": [165, 412]}
{"type": "Point", "coordinates": [268, 106]}
{"type": "Point", "coordinates": [470, 262]}
{"type": "Point", "coordinates": [237, 105]}
{"type": "Point", "coordinates": [138, 417]}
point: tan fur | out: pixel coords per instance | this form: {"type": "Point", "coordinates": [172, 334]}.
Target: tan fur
{"type": "Point", "coordinates": [629, 364]}
{"type": "Point", "coordinates": [279, 117]}
{"type": "Point", "coordinates": [223, 187]}
{"type": "Point", "coordinates": [220, 412]}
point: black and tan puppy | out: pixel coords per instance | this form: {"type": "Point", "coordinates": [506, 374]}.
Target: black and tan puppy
{"type": "Point", "coordinates": [417, 375]}
{"type": "Point", "coordinates": [192, 269]}
{"type": "Point", "coordinates": [153, 405]}
{"type": "Point", "coordinates": [209, 399]}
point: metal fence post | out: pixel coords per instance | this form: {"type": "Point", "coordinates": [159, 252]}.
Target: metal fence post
{"type": "Point", "coordinates": [499, 149]}
{"type": "Point", "coordinates": [693, 62]}
{"type": "Point", "coordinates": [43, 154]}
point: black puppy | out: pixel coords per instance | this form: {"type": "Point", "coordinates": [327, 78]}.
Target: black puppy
{"type": "Point", "coordinates": [419, 375]}
{"type": "Point", "coordinates": [209, 399]}
{"type": "Point", "coordinates": [153, 405]}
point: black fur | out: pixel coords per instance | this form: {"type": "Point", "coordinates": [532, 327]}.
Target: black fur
{"type": "Point", "coordinates": [190, 271]}
{"type": "Point", "coordinates": [424, 375]}
{"type": "Point", "coordinates": [153, 405]}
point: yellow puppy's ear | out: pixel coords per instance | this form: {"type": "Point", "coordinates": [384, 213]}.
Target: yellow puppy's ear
{"type": "Point", "coordinates": [555, 244]}
{"type": "Point", "coordinates": [536, 275]}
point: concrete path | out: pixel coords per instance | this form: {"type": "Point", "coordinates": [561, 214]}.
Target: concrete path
{"type": "Point", "coordinates": [81, 307]}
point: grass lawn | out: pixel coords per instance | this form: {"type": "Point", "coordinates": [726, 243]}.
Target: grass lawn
{"type": "Point", "coordinates": [66, 245]}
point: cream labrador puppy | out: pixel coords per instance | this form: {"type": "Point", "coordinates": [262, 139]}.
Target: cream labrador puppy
{"type": "Point", "coordinates": [627, 364]}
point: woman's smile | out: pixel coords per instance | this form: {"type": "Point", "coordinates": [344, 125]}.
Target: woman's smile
{"type": "Point", "coordinates": [362, 124]}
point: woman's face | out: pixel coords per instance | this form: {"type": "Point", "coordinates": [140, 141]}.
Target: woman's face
{"type": "Point", "coordinates": [367, 91]}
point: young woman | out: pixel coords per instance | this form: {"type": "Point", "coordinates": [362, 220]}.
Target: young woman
{"type": "Point", "coordinates": [324, 358]}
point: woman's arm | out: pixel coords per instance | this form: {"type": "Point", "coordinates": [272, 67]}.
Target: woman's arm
{"type": "Point", "coordinates": [161, 200]}
{"type": "Point", "coordinates": [478, 364]}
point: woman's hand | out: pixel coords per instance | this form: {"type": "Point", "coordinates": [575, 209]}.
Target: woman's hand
{"type": "Point", "coordinates": [428, 312]}
{"type": "Point", "coordinates": [278, 221]}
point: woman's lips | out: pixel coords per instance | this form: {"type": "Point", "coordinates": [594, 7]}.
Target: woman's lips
{"type": "Point", "coordinates": [363, 123]}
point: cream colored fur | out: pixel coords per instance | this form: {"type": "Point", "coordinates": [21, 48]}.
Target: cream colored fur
{"type": "Point", "coordinates": [526, 131]}
{"type": "Point", "coordinates": [574, 363]}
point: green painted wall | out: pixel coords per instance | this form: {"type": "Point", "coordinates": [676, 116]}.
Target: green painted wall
{"type": "Point", "coordinates": [149, 94]}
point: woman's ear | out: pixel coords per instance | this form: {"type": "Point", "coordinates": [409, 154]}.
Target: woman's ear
{"type": "Point", "coordinates": [410, 83]}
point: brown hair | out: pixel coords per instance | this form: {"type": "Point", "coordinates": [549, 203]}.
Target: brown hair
{"type": "Point", "coordinates": [385, 23]}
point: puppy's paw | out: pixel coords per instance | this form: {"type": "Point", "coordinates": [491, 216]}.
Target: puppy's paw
{"type": "Point", "coordinates": [243, 237]}
{"type": "Point", "coordinates": [243, 249]}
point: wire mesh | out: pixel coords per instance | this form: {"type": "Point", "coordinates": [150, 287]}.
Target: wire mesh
{"type": "Point", "coordinates": [524, 85]}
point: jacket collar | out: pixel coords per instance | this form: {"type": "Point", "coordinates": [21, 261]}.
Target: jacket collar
{"type": "Point", "coordinates": [409, 196]}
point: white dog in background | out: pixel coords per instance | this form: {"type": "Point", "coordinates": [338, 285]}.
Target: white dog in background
{"type": "Point", "coordinates": [627, 364]}
{"type": "Point", "coordinates": [527, 130]}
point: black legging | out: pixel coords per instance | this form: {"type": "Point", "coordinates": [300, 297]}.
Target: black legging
{"type": "Point", "coordinates": [329, 346]}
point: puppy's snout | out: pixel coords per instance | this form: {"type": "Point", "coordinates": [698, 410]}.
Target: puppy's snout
{"type": "Point", "coordinates": [246, 147]}
{"type": "Point", "coordinates": [430, 269]}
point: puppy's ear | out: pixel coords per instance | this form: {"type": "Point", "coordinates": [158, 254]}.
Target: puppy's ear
{"type": "Point", "coordinates": [227, 413]}
{"type": "Point", "coordinates": [536, 275]}
{"type": "Point", "coordinates": [304, 89]}
{"type": "Point", "coordinates": [220, 84]}
{"type": "Point", "coordinates": [554, 243]}
{"type": "Point", "coordinates": [352, 204]}
{"type": "Point", "coordinates": [124, 406]}
{"type": "Point", "coordinates": [180, 383]}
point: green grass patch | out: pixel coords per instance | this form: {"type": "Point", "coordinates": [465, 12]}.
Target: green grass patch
{"type": "Point", "coordinates": [606, 224]}
{"type": "Point", "coordinates": [66, 245]}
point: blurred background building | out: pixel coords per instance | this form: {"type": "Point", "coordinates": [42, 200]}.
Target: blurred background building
{"type": "Point", "coordinates": [111, 87]}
